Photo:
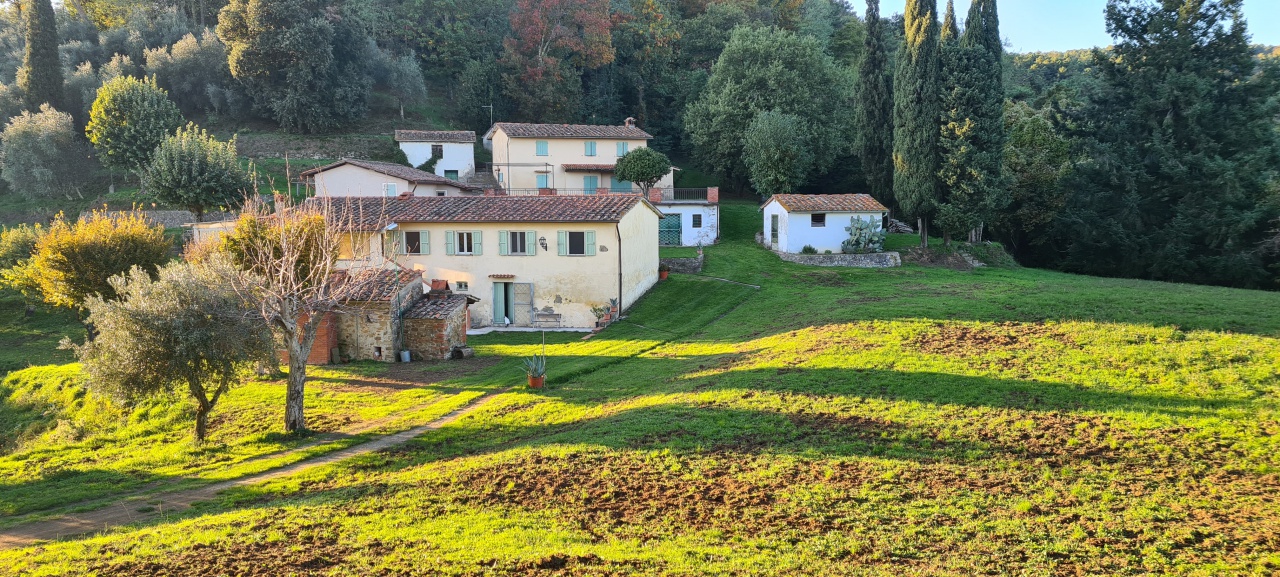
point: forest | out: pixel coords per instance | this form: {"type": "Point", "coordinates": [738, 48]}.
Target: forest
{"type": "Point", "coordinates": [1155, 157]}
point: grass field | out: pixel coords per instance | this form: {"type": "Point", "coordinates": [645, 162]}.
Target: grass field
{"type": "Point", "coordinates": [913, 421]}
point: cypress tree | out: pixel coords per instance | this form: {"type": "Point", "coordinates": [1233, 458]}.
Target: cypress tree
{"type": "Point", "coordinates": [950, 30]}
{"type": "Point", "coordinates": [41, 74]}
{"type": "Point", "coordinates": [875, 115]}
{"type": "Point", "coordinates": [972, 141]}
{"type": "Point", "coordinates": [916, 114]}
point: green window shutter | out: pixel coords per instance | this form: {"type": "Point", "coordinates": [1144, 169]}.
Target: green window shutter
{"type": "Point", "coordinates": [562, 243]}
{"type": "Point", "coordinates": [590, 183]}
{"type": "Point", "coordinates": [542, 147]}
{"type": "Point", "coordinates": [502, 243]}
{"type": "Point", "coordinates": [591, 148]}
{"type": "Point", "coordinates": [475, 243]}
{"type": "Point", "coordinates": [622, 149]}
{"type": "Point", "coordinates": [449, 239]}
{"type": "Point", "coordinates": [531, 242]}
{"type": "Point", "coordinates": [542, 181]}
{"type": "Point", "coordinates": [426, 242]}
{"type": "Point", "coordinates": [590, 240]}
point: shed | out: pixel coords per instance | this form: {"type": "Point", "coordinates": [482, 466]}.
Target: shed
{"type": "Point", "coordinates": [793, 221]}
{"type": "Point", "coordinates": [437, 323]}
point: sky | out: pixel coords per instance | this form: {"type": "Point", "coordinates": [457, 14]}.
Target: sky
{"type": "Point", "coordinates": [1043, 25]}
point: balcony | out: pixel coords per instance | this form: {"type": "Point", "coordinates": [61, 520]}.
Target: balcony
{"type": "Point", "coordinates": [656, 195]}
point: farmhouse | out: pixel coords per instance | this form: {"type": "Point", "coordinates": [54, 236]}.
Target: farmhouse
{"type": "Point", "coordinates": [579, 159]}
{"type": "Point", "coordinates": [454, 150]}
{"type": "Point", "coordinates": [353, 177]}
{"type": "Point", "coordinates": [794, 221]}
{"type": "Point", "coordinates": [531, 260]}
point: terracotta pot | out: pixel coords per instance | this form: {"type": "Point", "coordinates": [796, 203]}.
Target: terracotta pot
{"type": "Point", "coordinates": [536, 382]}
{"type": "Point", "coordinates": [662, 274]}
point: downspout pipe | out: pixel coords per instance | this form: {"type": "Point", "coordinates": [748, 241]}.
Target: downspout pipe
{"type": "Point", "coordinates": [618, 228]}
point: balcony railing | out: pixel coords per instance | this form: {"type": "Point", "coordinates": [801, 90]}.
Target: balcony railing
{"type": "Point", "coordinates": [665, 194]}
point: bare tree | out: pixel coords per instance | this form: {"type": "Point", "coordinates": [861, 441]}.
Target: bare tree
{"type": "Point", "coordinates": [307, 260]}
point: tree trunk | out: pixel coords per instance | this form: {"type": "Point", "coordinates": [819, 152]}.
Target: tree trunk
{"type": "Point", "coordinates": [294, 420]}
{"type": "Point", "coordinates": [202, 422]}
{"type": "Point", "coordinates": [924, 231]}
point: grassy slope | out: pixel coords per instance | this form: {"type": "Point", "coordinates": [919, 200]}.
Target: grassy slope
{"type": "Point", "coordinates": [33, 340]}
{"type": "Point", "coordinates": [910, 421]}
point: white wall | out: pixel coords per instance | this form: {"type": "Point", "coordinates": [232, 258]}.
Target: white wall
{"type": "Point", "coordinates": [801, 232]}
{"type": "Point", "coordinates": [639, 232]}
{"type": "Point", "coordinates": [690, 236]}
{"type": "Point", "coordinates": [769, 211]}
{"type": "Point", "coordinates": [560, 151]}
{"type": "Point", "coordinates": [352, 180]}
{"type": "Point", "coordinates": [459, 156]}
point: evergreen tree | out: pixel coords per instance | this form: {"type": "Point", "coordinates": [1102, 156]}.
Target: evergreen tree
{"type": "Point", "coordinates": [41, 74]}
{"type": "Point", "coordinates": [950, 32]}
{"type": "Point", "coordinates": [129, 119]}
{"type": "Point", "coordinates": [875, 110]}
{"type": "Point", "coordinates": [972, 141]}
{"type": "Point", "coordinates": [915, 115]}
{"type": "Point", "coordinates": [194, 170]}
{"type": "Point", "coordinates": [1182, 150]}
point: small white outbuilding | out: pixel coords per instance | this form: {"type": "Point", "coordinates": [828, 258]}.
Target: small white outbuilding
{"type": "Point", "coordinates": [793, 221]}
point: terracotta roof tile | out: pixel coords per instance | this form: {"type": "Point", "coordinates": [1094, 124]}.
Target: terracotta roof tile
{"type": "Point", "coordinates": [588, 167]}
{"type": "Point", "coordinates": [465, 136]}
{"type": "Point", "coordinates": [373, 213]}
{"type": "Point", "coordinates": [521, 130]}
{"type": "Point", "coordinates": [408, 173]}
{"type": "Point", "coordinates": [377, 285]}
{"type": "Point", "coordinates": [828, 203]}
{"type": "Point", "coordinates": [436, 308]}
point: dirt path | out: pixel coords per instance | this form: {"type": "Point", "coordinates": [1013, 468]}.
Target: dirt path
{"type": "Point", "coordinates": [127, 511]}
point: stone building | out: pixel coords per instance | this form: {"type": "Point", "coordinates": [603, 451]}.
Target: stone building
{"type": "Point", "coordinates": [437, 323]}
{"type": "Point", "coordinates": [369, 325]}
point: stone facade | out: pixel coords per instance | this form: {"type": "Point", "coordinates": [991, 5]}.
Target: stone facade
{"type": "Point", "coordinates": [436, 325]}
{"type": "Point", "coordinates": [869, 260]}
{"type": "Point", "coordinates": [371, 330]}
{"type": "Point", "coordinates": [685, 265]}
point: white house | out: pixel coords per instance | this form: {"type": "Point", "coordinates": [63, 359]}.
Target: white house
{"type": "Point", "coordinates": [455, 149]}
{"type": "Point", "coordinates": [530, 260]}
{"type": "Point", "coordinates": [793, 221]}
{"type": "Point", "coordinates": [353, 177]}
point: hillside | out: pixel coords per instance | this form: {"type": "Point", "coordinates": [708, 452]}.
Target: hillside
{"type": "Point", "coordinates": [887, 422]}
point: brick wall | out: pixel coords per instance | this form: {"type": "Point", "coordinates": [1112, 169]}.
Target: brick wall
{"type": "Point", "coordinates": [326, 340]}
{"type": "Point", "coordinates": [433, 339]}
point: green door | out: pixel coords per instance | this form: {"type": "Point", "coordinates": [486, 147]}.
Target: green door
{"type": "Point", "coordinates": [499, 303]}
{"type": "Point", "coordinates": [669, 230]}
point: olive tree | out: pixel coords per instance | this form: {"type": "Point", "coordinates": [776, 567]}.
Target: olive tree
{"type": "Point", "coordinates": [42, 155]}
{"type": "Point", "coordinates": [187, 328]}
{"type": "Point", "coordinates": [643, 166]}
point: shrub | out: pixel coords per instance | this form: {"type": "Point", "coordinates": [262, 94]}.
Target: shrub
{"type": "Point", "coordinates": [74, 260]}
{"type": "Point", "coordinates": [808, 249]}
{"type": "Point", "coordinates": [129, 119]}
{"type": "Point", "coordinates": [193, 170]}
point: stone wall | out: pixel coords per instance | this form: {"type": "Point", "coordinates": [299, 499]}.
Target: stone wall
{"type": "Point", "coordinates": [371, 330]}
{"type": "Point", "coordinates": [871, 260]}
{"type": "Point", "coordinates": [686, 265]}
{"type": "Point", "coordinates": [434, 339]}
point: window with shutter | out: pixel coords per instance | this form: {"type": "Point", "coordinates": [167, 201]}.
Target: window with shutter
{"type": "Point", "coordinates": [503, 247]}
{"type": "Point", "coordinates": [541, 147]}
{"type": "Point", "coordinates": [590, 184]}
{"type": "Point", "coordinates": [542, 181]}
{"type": "Point", "coordinates": [388, 189]}
{"type": "Point", "coordinates": [697, 221]}
{"type": "Point", "coordinates": [412, 242]}
{"type": "Point", "coordinates": [590, 148]}
{"type": "Point", "coordinates": [531, 242]}
{"type": "Point", "coordinates": [622, 149]}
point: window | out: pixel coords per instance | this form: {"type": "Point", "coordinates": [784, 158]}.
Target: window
{"type": "Point", "coordinates": [437, 151]}
{"type": "Point", "coordinates": [697, 221]}
{"type": "Point", "coordinates": [622, 149]}
{"type": "Point", "coordinates": [388, 189]}
{"type": "Point", "coordinates": [590, 148]}
{"type": "Point", "coordinates": [415, 242]}
{"type": "Point", "coordinates": [499, 176]}
{"type": "Point", "coordinates": [441, 193]}
{"type": "Point", "coordinates": [590, 184]}
{"type": "Point", "coordinates": [451, 174]}
{"type": "Point", "coordinates": [541, 147]}
{"type": "Point", "coordinates": [818, 220]}
{"type": "Point", "coordinates": [462, 286]}
{"type": "Point", "coordinates": [516, 242]}
{"type": "Point", "coordinates": [542, 181]}
{"type": "Point", "coordinates": [576, 243]}
{"type": "Point", "coordinates": [462, 242]}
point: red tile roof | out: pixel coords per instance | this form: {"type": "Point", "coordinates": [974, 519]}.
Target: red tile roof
{"type": "Point", "coordinates": [373, 213]}
{"type": "Point", "coordinates": [437, 308]}
{"type": "Point", "coordinates": [828, 203]}
{"type": "Point", "coordinates": [521, 130]}
{"type": "Point", "coordinates": [465, 136]}
{"type": "Point", "coordinates": [408, 173]}
{"type": "Point", "coordinates": [588, 167]}
{"type": "Point", "coordinates": [376, 285]}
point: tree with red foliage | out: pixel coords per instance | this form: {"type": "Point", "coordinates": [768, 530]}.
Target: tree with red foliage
{"type": "Point", "coordinates": [552, 42]}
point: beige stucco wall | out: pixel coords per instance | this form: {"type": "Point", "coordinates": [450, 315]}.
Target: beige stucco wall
{"type": "Point", "coordinates": [560, 151]}
{"type": "Point", "coordinates": [639, 230]}
{"type": "Point", "coordinates": [567, 285]}
{"type": "Point", "coordinates": [351, 180]}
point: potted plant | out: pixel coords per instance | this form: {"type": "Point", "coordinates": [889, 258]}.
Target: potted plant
{"type": "Point", "coordinates": [663, 271]}
{"type": "Point", "coordinates": [602, 315]}
{"type": "Point", "coordinates": [535, 368]}
{"type": "Point", "coordinates": [613, 308]}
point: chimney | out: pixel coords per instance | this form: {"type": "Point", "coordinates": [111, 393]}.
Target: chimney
{"type": "Point", "coordinates": [439, 289]}
{"type": "Point", "coordinates": [629, 122]}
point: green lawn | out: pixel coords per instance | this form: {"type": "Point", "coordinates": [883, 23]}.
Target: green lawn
{"type": "Point", "coordinates": [32, 339]}
{"type": "Point", "coordinates": [855, 422]}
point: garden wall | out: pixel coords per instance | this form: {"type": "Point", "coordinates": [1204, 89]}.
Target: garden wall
{"type": "Point", "coordinates": [685, 265]}
{"type": "Point", "coordinates": [870, 260]}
